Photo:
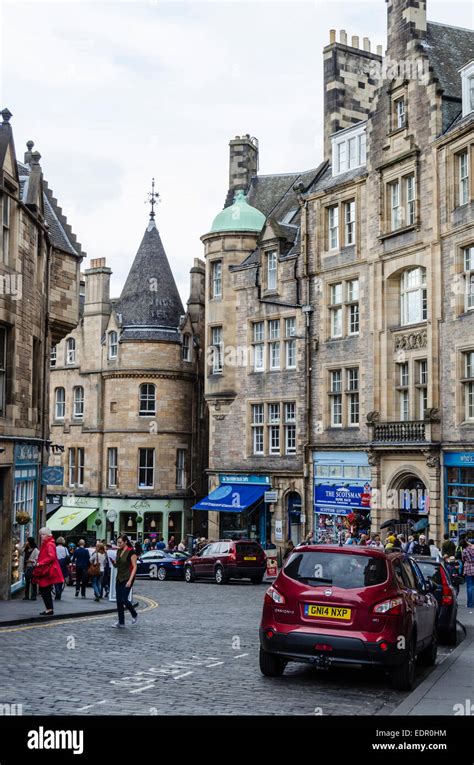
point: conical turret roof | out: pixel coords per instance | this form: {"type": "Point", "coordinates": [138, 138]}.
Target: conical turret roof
{"type": "Point", "coordinates": [150, 299]}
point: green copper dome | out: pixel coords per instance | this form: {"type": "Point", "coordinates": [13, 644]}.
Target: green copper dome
{"type": "Point", "coordinates": [238, 217]}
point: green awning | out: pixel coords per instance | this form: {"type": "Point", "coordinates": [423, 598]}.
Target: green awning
{"type": "Point", "coordinates": [67, 518]}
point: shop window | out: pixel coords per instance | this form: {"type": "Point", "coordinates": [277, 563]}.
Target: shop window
{"type": "Point", "coordinates": [153, 523]}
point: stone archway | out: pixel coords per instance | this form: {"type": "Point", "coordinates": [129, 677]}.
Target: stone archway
{"type": "Point", "coordinates": [409, 496]}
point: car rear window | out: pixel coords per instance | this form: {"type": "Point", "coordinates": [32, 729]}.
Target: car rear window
{"type": "Point", "coordinates": [247, 548]}
{"type": "Point", "coordinates": [430, 571]}
{"type": "Point", "coordinates": [337, 569]}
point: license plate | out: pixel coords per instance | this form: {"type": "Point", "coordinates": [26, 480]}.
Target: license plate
{"type": "Point", "coordinates": [327, 612]}
{"type": "Point", "coordinates": [250, 557]}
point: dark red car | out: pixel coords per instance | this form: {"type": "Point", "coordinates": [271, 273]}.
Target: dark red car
{"type": "Point", "coordinates": [221, 561]}
{"type": "Point", "coordinates": [335, 606]}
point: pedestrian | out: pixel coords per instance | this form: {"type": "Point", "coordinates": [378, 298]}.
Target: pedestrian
{"type": "Point", "coordinates": [47, 571]}
{"type": "Point", "coordinates": [403, 542]}
{"type": "Point", "coordinates": [30, 556]}
{"type": "Point", "coordinates": [171, 544]}
{"type": "Point", "coordinates": [448, 548]}
{"type": "Point", "coordinates": [389, 543]}
{"type": "Point", "coordinates": [363, 541]}
{"type": "Point", "coordinates": [182, 546]}
{"type": "Point", "coordinates": [410, 545]}
{"type": "Point", "coordinates": [160, 545]}
{"type": "Point", "coordinates": [81, 558]}
{"type": "Point", "coordinates": [288, 550]}
{"type": "Point", "coordinates": [421, 547]}
{"type": "Point", "coordinates": [435, 552]}
{"type": "Point", "coordinates": [453, 567]}
{"type": "Point", "coordinates": [146, 544]}
{"type": "Point", "coordinates": [97, 560]}
{"type": "Point", "coordinates": [126, 564]}
{"type": "Point", "coordinates": [63, 558]}
{"type": "Point", "coordinates": [468, 572]}
{"type": "Point", "coordinates": [376, 542]}
{"type": "Point", "coordinates": [138, 549]}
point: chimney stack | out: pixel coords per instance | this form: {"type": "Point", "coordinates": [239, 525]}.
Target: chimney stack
{"type": "Point", "coordinates": [243, 165]}
{"type": "Point", "coordinates": [406, 26]}
{"type": "Point", "coordinates": [97, 278]}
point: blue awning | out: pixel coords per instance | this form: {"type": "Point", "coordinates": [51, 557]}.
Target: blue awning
{"type": "Point", "coordinates": [231, 498]}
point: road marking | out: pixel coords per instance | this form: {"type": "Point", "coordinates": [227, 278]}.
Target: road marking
{"type": "Point", "coordinates": [88, 706]}
{"type": "Point", "coordinates": [145, 688]}
{"type": "Point", "coordinates": [241, 655]}
{"type": "Point", "coordinates": [150, 605]}
{"type": "Point", "coordinates": [178, 677]}
{"type": "Point", "coordinates": [215, 665]}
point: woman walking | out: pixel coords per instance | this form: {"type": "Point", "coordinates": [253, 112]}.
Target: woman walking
{"type": "Point", "coordinates": [47, 571]}
{"type": "Point", "coordinates": [98, 561]}
{"type": "Point", "coordinates": [126, 565]}
{"type": "Point", "coordinates": [30, 556]}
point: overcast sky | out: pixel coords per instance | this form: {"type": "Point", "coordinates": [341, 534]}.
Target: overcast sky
{"type": "Point", "coordinates": [113, 93]}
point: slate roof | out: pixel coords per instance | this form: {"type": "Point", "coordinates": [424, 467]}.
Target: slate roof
{"type": "Point", "coordinates": [326, 180]}
{"type": "Point", "coordinates": [150, 299]}
{"type": "Point", "coordinates": [60, 231]}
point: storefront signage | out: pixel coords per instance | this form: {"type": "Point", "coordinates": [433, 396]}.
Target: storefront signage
{"type": "Point", "coordinates": [258, 479]}
{"type": "Point", "coordinates": [52, 476]}
{"type": "Point", "coordinates": [341, 497]}
{"type": "Point", "coordinates": [26, 453]}
{"type": "Point", "coordinates": [278, 531]}
{"type": "Point", "coordinates": [459, 458]}
{"type": "Point", "coordinates": [271, 497]}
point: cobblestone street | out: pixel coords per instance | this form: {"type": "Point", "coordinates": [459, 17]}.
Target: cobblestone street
{"type": "Point", "coordinates": [196, 652]}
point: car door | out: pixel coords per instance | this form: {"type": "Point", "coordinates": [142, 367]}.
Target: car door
{"type": "Point", "coordinates": [201, 562]}
{"type": "Point", "coordinates": [212, 554]}
{"type": "Point", "coordinates": [422, 602]}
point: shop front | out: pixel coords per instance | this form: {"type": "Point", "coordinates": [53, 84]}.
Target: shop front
{"type": "Point", "coordinates": [459, 494]}
{"type": "Point", "coordinates": [237, 508]}
{"type": "Point", "coordinates": [342, 493]}
{"type": "Point", "coordinates": [25, 505]}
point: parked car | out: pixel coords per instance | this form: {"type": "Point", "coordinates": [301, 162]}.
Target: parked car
{"type": "Point", "coordinates": [336, 606]}
{"type": "Point", "coordinates": [445, 594]}
{"type": "Point", "coordinates": [228, 559]}
{"type": "Point", "coordinates": [161, 564]}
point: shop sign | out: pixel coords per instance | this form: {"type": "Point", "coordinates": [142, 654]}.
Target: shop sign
{"type": "Point", "coordinates": [271, 497]}
{"type": "Point", "coordinates": [52, 476]}
{"type": "Point", "coordinates": [339, 498]}
{"type": "Point", "coordinates": [278, 531]}
{"type": "Point", "coordinates": [459, 458]}
{"type": "Point", "coordinates": [26, 453]}
{"type": "Point", "coordinates": [258, 479]}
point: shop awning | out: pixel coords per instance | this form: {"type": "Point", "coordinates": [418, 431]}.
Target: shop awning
{"type": "Point", "coordinates": [67, 518]}
{"type": "Point", "coordinates": [231, 498]}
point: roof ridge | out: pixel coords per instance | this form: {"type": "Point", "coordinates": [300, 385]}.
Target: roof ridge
{"type": "Point", "coordinates": [66, 226]}
{"type": "Point", "coordinates": [451, 26]}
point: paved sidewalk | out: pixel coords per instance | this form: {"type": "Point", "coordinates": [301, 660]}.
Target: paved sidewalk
{"type": "Point", "coordinates": [19, 611]}
{"type": "Point", "coordinates": [452, 681]}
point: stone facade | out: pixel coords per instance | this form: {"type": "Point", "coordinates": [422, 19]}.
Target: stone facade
{"type": "Point", "coordinates": [39, 272]}
{"type": "Point", "coordinates": [120, 346]}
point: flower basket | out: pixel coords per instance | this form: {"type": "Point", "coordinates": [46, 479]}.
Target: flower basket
{"type": "Point", "coordinates": [139, 519]}
{"type": "Point", "coordinates": [23, 518]}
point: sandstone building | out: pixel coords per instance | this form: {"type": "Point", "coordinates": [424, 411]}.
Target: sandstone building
{"type": "Point", "coordinates": [126, 403]}
{"type": "Point", "coordinates": [349, 287]}
{"type": "Point", "coordinates": [39, 298]}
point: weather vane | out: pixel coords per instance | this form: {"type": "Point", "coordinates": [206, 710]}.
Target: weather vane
{"type": "Point", "coordinates": [153, 198]}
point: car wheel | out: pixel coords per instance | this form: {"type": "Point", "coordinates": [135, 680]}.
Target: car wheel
{"type": "Point", "coordinates": [428, 656]}
{"type": "Point", "coordinates": [257, 579]}
{"type": "Point", "coordinates": [271, 665]}
{"type": "Point", "coordinates": [219, 575]}
{"type": "Point", "coordinates": [188, 574]}
{"type": "Point", "coordinates": [161, 574]}
{"type": "Point", "coordinates": [403, 676]}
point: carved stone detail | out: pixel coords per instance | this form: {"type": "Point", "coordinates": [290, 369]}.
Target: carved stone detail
{"type": "Point", "coordinates": [411, 341]}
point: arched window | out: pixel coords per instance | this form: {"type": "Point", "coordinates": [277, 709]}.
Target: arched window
{"type": "Point", "coordinates": [59, 403]}
{"type": "Point", "coordinates": [413, 296]}
{"type": "Point", "coordinates": [112, 346]}
{"type": "Point", "coordinates": [78, 410]}
{"type": "Point", "coordinates": [186, 348]}
{"type": "Point", "coordinates": [147, 400]}
{"type": "Point", "coordinates": [70, 351]}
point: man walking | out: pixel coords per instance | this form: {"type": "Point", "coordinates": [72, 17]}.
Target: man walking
{"type": "Point", "coordinates": [468, 571]}
{"type": "Point", "coordinates": [81, 558]}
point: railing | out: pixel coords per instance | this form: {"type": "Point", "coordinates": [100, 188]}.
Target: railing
{"type": "Point", "coordinates": [399, 432]}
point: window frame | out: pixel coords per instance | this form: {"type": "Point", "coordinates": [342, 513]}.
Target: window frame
{"type": "Point", "coordinates": [272, 270]}
{"type": "Point", "coordinates": [146, 468]}
{"type": "Point", "coordinates": [78, 406]}
{"type": "Point", "coordinates": [216, 279]}
{"type": "Point", "coordinates": [406, 290]}
{"type": "Point", "coordinates": [58, 402]}
{"type": "Point", "coordinates": [3, 369]}
{"type": "Point", "coordinates": [71, 350]}
{"type": "Point", "coordinates": [112, 344]}
{"type": "Point", "coordinates": [112, 467]}
{"type": "Point", "coordinates": [218, 350]}
{"type": "Point", "coordinates": [146, 397]}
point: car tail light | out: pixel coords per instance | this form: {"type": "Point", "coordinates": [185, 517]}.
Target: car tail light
{"type": "Point", "coordinates": [383, 645]}
{"type": "Point", "coordinates": [447, 592]}
{"type": "Point", "coordinates": [273, 596]}
{"type": "Point", "coordinates": [390, 607]}
{"type": "Point", "coordinates": [322, 647]}
{"type": "Point", "coordinates": [269, 634]}
{"type": "Point", "coordinates": [176, 562]}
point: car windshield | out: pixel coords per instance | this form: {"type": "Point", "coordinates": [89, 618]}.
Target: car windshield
{"type": "Point", "coordinates": [337, 569]}
{"type": "Point", "coordinates": [430, 571]}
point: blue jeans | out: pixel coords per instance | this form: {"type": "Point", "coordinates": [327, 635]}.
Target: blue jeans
{"type": "Point", "coordinates": [470, 591]}
{"type": "Point", "coordinates": [122, 592]}
{"type": "Point", "coordinates": [97, 585]}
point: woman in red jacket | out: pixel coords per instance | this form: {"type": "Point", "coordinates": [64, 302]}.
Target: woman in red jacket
{"type": "Point", "coordinates": [47, 570]}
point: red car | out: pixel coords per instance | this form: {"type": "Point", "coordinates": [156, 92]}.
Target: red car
{"type": "Point", "coordinates": [336, 606]}
{"type": "Point", "coordinates": [221, 561]}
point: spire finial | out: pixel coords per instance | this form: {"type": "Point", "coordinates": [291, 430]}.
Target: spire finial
{"type": "Point", "coordinates": [152, 196]}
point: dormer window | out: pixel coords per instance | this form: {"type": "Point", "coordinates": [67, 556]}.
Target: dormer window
{"type": "Point", "coordinates": [348, 149]}
{"type": "Point", "coordinates": [467, 78]}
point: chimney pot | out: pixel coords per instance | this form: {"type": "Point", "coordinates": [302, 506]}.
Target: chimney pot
{"type": "Point", "coordinates": [343, 36]}
{"type": "Point", "coordinates": [379, 50]}
{"type": "Point", "coordinates": [366, 44]}
{"type": "Point", "coordinates": [332, 36]}
{"type": "Point", "coordinates": [355, 41]}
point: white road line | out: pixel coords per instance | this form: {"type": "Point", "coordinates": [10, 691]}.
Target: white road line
{"type": "Point", "coordinates": [88, 706]}
{"type": "Point", "coordinates": [215, 665]}
{"type": "Point", "coordinates": [241, 655]}
{"type": "Point", "coordinates": [145, 688]}
{"type": "Point", "coordinates": [178, 677]}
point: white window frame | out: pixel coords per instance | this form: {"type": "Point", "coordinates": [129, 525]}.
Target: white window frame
{"type": "Point", "coordinates": [349, 222]}
{"type": "Point", "coordinates": [53, 356]}
{"type": "Point", "coordinates": [468, 266]}
{"type": "Point", "coordinates": [78, 402]}
{"type": "Point", "coordinates": [468, 385]}
{"type": "Point", "coordinates": [353, 397]}
{"type": "Point", "coordinates": [335, 391]}
{"type": "Point", "coordinates": [467, 80]}
{"type": "Point", "coordinates": [180, 468]}
{"type": "Point", "coordinates": [342, 158]}
{"type": "Point", "coordinates": [333, 227]}
{"type": "Point", "coordinates": [216, 279]}
{"type": "Point", "coordinates": [147, 468]}
{"type": "Point", "coordinates": [290, 427]}
{"type": "Point", "coordinates": [272, 270]}
{"type": "Point", "coordinates": [274, 422]}
{"type": "Point", "coordinates": [72, 466]}
{"type": "Point", "coordinates": [290, 342]}
{"type": "Point", "coordinates": [112, 467]}
{"type": "Point", "coordinates": [395, 205]}
{"type": "Point", "coordinates": [258, 428]}
{"type": "Point", "coordinates": [59, 403]}
{"type": "Point", "coordinates": [463, 177]}
{"type": "Point", "coordinates": [112, 345]}
{"type": "Point", "coordinates": [258, 346]}
{"type": "Point", "coordinates": [70, 351]}
{"type": "Point", "coordinates": [217, 350]}
{"type": "Point", "coordinates": [144, 399]}
{"type": "Point", "coordinates": [417, 288]}
{"type": "Point", "coordinates": [400, 112]}
{"type": "Point", "coordinates": [186, 347]}
{"type": "Point", "coordinates": [81, 465]}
